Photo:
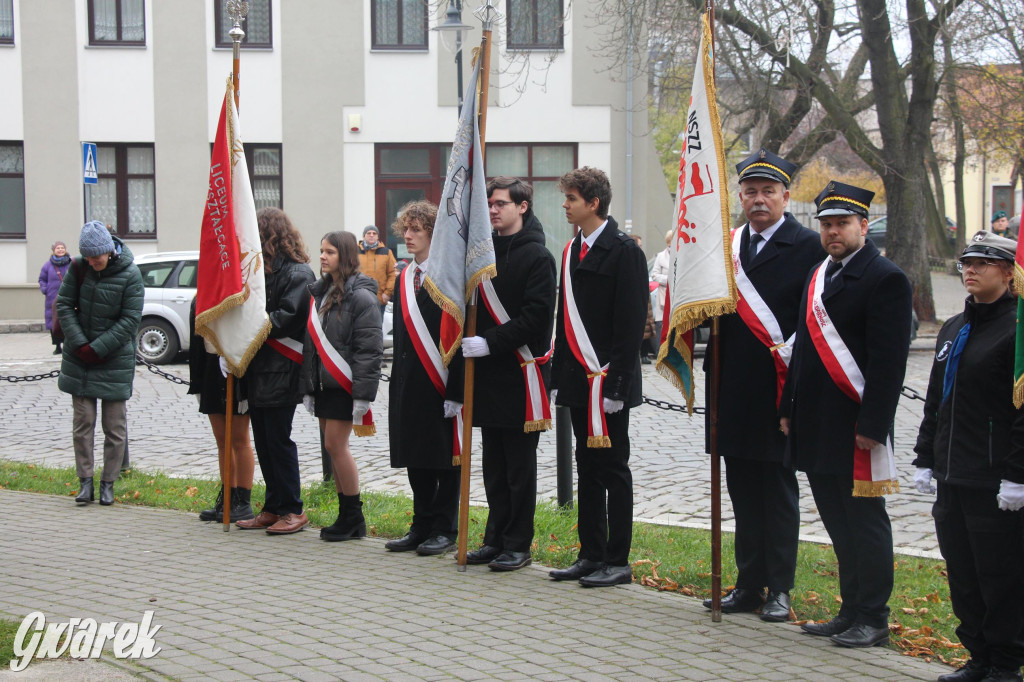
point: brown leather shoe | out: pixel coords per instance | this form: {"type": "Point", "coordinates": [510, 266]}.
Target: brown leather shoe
{"type": "Point", "coordinates": [289, 523]}
{"type": "Point", "coordinates": [263, 520]}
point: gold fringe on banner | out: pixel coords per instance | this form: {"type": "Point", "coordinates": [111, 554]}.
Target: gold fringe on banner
{"type": "Point", "coordinates": [875, 488]}
{"type": "Point", "coordinates": [599, 442]}
{"type": "Point", "coordinates": [364, 430]}
{"type": "Point", "coordinates": [536, 425]}
{"type": "Point", "coordinates": [1018, 279]}
{"type": "Point", "coordinates": [1018, 392]}
{"type": "Point", "coordinates": [456, 461]}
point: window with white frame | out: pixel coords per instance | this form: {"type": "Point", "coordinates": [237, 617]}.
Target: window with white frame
{"type": "Point", "coordinates": [12, 190]}
{"type": "Point", "coordinates": [399, 24]}
{"type": "Point", "coordinates": [257, 25]}
{"type": "Point", "coordinates": [534, 24]}
{"type": "Point", "coordinates": [117, 22]}
{"type": "Point", "coordinates": [125, 194]}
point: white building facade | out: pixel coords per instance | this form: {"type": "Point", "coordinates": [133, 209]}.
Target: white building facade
{"type": "Point", "coordinates": [347, 111]}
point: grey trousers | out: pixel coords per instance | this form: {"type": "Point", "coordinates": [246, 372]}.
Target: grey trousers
{"type": "Point", "coordinates": [115, 430]}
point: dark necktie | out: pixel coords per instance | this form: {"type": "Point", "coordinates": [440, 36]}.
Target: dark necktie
{"type": "Point", "coordinates": [417, 277]}
{"type": "Point", "coordinates": [830, 272]}
{"type": "Point", "coordinates": [755, 239]}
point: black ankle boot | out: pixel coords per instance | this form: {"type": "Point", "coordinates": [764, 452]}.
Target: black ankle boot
{"type": "Point", "coordinates": [85, 491]}
{"type": "Point", "coordinates": [350, 523]}
{"type": "Point", "coordinates": [241, 509]}
{"type": "Point", "coordinates": [106, 493]}
{"type": "Point", "coordinates": [217, 513]}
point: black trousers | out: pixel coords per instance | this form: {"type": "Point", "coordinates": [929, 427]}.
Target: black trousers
{"type": "Point", "coordinates": [862, 540]}
{"type": "Point", "coordinates": [605, 491]}
{"type": "Point", "coordinates": [510, 481]}
{"type": "Point", "coordinates": [435, 501]}
{"type": "Point", "coordinates": [278, 458]}
{"type": "Point", "coordinates": [984, 552]}
{"type": "Point", "coordinates": [766, 504]}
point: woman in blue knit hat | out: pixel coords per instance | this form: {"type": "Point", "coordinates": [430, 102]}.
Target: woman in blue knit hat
{"type": "Point", "coordinates": [99, 307]}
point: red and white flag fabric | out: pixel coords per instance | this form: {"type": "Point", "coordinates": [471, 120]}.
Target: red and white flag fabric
{"type": "Point", "coordinates": [701, 283]}
{"type": "Point", "coordinates": [461, 252]}
{"type": "Point", "coordinates": [231, 299]}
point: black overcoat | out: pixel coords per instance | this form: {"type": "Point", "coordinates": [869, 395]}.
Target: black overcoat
{"type": "Point", "coordinates": [418, 433]}
{"type": "Point", "coordinates": [525, 285]}
{"type": "Point", "coordinates": [748, 412]}
{"type": "Point", "coordinates": [610, 287]}
{"type": "Point", "coordinates": [870, 306]}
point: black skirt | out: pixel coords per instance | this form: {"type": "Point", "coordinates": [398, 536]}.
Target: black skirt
{"type": "Point", "coordinates": [333, 404]}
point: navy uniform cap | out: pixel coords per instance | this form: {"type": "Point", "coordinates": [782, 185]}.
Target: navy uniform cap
{"type": "Point", "coordinates": [989, 244]}
{"type": "Point", "coordinates": [764, 164]}
{"type": "Point", "coordinates": [841, 199]}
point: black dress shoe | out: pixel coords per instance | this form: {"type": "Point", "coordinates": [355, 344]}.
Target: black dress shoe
{"type": "Point", "coordinates": [971, 672]}
{"type": "Point", "coordinates": [608, 576]}
{"type": "Point", "coordinates": [580, 568]}
{"type": "Point", "coordinates": [85, 491]}
{"type": "Point", "coordinates": [106, 493]}
{"type": "Point", "coordinates": [776, 607]}
{"type": "Point", "coordinates": [861, 636]}
{"type": "Point", "coordinates": [439, 544]}
{"type": "Point", "coordinates": [406, 543]}
{"type": "Point", "coordinates": [484, 555]}
{"type": "Point", "coordinates": [828, 628]}
{"type": "Point", "coordinates": [510, 561]}
{"type": "Point", "coordinates": [740, 600]}
{"type": "Point", "coordinates": [1002, 675]}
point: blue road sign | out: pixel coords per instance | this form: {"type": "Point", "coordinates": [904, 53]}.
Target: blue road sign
{"type": "Point", "coordinates": [89, 175]}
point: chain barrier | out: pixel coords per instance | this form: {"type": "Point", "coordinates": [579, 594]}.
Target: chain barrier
{"type": "Point", "coordinates": [908, 392]}
{"type": "Point", "coordinates": [173, 378]}
{"type": "Point", "coordinates": [32, 377]}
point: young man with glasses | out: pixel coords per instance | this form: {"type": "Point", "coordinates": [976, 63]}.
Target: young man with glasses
{"type": "Point", "coordinates": [512, 346]}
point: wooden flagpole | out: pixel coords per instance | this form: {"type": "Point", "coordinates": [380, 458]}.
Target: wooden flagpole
{"type": "Point", "coordinates": [483, 85]}
{"type": "Point", "coordinates": [712, 405]}
{"type": "Point", "coordinates": [236, 11]}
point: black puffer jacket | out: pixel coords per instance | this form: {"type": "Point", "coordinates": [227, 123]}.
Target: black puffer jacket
{"type": "Point", "coordinates": [354, 329]}
{"type": "Point", "coordinates": [525, 285]}
{"type": "Point", "coordinates": [273, 378]}
{"type": "Point", "coordinates": [975, 438]}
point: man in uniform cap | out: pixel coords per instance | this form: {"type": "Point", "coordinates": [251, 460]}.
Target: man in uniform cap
{"type": "Point", "coordinates": [1000, 223]}
{"type": "Point", "coordinates": [772, 254]}
{"type": "Point", "coordinates": [839, 403]}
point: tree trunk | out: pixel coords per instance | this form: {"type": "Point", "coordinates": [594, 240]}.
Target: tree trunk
{"type": "Point", "coordinates": [906, 195]}
{"type": "Point", "coordinates": [960, 151]}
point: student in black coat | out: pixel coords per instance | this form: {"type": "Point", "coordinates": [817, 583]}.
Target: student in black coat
{"type": "Point", "coordinates": [525, 288]}
{"type": "Point", "coordinates": [972, 440]}
{"type": "Point", "coordinates": [867, 301]}
{"type": "Point", "coordinates": [608, 275]}
{"type": "Point", "coordinates": [763, 491]}
{"type": "Point", "coordinates": [420, 419]}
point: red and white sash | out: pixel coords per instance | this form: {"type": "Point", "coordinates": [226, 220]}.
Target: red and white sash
{"type": "Point", "coordinates": [586, 355]}
{"type": "Point", "coordinates": [538, 411]}
{"type": "Point", "coordinates": [874, 471]}
{"type": "Point", "coordinates": [759, 318]}
{"type": "Point", "coordinates": [290, 348]}
{"type": "Point", "coordinates": [336, 366]}
{"type": "Point", "coordinates": [428, 352]}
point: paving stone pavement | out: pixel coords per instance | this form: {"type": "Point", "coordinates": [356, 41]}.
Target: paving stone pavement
{"type": "Point", "coordinates": [237, 606]}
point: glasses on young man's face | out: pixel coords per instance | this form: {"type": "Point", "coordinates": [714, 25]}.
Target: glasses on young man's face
{"type": "Point", "coordinates": [499, 203]}
{"type": "Point", "coordinates": [978, 264]}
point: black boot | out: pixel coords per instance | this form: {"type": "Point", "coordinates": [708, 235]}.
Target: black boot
{"type": "Point", "coordinates": [57, 349]}
{"type": "Point", "coordinates": [85, 491]}
{"type": "Point", "coordinates": [350, 523]}
{"type": "Point", "coordinates": [217, 513]}
{"type": "Point", "coordinates": [106, 493]}
{"type": "Point", "coordinates": [241, 510]}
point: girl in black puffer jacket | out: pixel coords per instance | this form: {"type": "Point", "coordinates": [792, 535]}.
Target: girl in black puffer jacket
{"type": "Point", "coordinates": [341, 360]}
{"type": "Point", "coordinates": [972, 440]}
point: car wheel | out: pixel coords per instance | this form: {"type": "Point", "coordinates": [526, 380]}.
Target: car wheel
{"type": "Point", "coordinates": [157, 341]}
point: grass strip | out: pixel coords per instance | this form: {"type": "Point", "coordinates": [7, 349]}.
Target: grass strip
{"type": "Point", "coordinates": [666, 558]}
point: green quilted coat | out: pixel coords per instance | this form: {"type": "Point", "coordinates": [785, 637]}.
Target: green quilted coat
{"type": "Point", "coordinates": [109, 309]}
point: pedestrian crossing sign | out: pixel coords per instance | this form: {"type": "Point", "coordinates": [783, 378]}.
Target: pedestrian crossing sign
{"type": "Point", "coordinates": [89, 175]}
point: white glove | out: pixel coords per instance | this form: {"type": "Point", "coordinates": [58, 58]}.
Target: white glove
{"type": "Point", "coordinates": [223, 366]}
{"type": "Point", "coordinates": [612, 406]}
{"type": "Point", "coordinates": [923, 481]}
{"type": "Point", "coordinates": [553, 397]}
{"type": "Point", "coordinates": [1011, 495]}
{"type": "Point", "coordinates": [475, 347]}
{"type": "Point", "coordinates": [451, 408]}
{"type": "Point", "coordinates": [307, 402]}
{"type": "Point", "coordinates": [359, 410]}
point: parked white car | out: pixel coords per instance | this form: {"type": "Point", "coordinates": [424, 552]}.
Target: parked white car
{"type": "Point", "coordinates": [170, 281]}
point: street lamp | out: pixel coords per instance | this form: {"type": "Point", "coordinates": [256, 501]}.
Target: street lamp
{"type": "Point", "coordinates": [453, 25]}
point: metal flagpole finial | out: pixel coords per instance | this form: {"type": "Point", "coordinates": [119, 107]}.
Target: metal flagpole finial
{"type": "Point", "coordinates": [487, 13]}
{"type": "Point", "coordinates": [236, 11]}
